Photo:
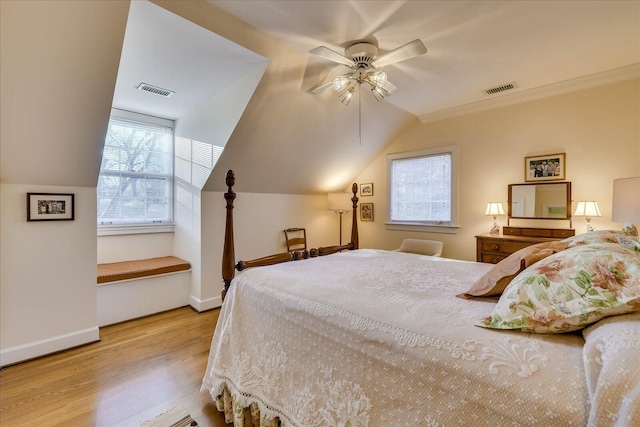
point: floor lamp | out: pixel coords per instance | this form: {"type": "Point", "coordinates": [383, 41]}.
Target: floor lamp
{"type": "Point", "coordinates": [340, 203]}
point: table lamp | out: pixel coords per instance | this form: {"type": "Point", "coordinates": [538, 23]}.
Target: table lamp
{"type": "Point", "coordinates": [494, 209]}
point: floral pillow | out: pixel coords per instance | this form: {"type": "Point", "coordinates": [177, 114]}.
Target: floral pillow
{"type": "Point", "coordinates": [599, 236]}
{"type": "Point", "coordinates": [571, 289]}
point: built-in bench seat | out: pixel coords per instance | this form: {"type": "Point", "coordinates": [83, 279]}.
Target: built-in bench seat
{"type": "Point", "coordinates": [124, 270]}
{"type": "Point", "coordinates": [132, 289]}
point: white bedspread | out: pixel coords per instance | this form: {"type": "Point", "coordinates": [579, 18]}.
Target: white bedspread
{"type": "Point", "coordinates": [378, 338]}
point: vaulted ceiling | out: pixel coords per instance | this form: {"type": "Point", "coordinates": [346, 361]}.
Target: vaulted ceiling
{"type": "Point", "coordinates": [292, 141]}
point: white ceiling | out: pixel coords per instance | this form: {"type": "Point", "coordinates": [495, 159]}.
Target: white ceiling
{"type": "Point", "coordinates": [545, 47]}
{"type": "Point", "coordinates": [167, 51]}
{"type": "Point", "coordinates": [472, 45]}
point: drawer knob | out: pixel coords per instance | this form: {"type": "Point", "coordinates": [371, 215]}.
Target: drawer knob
{"type": "Point", "coordinates": [495, 247]}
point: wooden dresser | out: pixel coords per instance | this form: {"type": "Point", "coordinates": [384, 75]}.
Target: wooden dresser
{"type": "Point", "coordinates": [493, 248]}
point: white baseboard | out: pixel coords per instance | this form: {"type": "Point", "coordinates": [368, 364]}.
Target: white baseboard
{"type": "Point", "coordinates": [35, 349]}
{"type": "Point", "coordinates": [206, 304]}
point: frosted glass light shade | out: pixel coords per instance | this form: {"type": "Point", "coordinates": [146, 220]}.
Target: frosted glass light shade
{"type": "Point", "coordinates": [340, 202]}
{"type": "Point", "coordinates": [626, 200]}
{"type": "Point", "coordinates": [587, 209]}
{"type": "Point", "coordinates": [340, 83]}
{"type": "Point", "coordinates": [494, 209]}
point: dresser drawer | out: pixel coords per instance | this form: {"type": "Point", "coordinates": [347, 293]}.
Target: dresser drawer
{"type": "Point", "coordinates": [502, 246]}
{"type": "Point", "coordinates": [492, 258]}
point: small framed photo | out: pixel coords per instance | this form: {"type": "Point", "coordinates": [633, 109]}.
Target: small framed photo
{"type": "Point", "coordinates": [366, 189]}
{"type": "Point", "coordinates": [50, 207]}
{"type": "Point", "coordinates": [366, 212]}
{"type": "Point", "coordinates": [545, 168]}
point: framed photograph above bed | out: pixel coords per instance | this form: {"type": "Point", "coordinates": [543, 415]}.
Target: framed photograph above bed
{"type": "Point", "coordinates": [550, 167]}
{"type": "Point", "coordinates": [366, 212]}
{"type": "Point", "coordinates": [50, 207]}
{"type": "Point", "coordinates": [366, 189]}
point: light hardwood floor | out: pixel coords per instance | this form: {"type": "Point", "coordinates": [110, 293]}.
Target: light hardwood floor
{"type": "Point", "coordinates": [137, 371]}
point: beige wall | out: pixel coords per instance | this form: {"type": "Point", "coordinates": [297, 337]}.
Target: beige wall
{"type": "Point", "coordinates": [259, 221]}
{"type": "Point", "coordinates": [597, 128]}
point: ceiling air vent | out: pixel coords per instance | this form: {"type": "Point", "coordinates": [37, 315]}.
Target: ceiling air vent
{"type": "Point", "coordinates": [154, 89]}
{"type": "Point", "coordinates": [501, 88]}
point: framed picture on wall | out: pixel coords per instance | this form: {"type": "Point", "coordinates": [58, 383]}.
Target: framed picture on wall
{"type": "Point", "coordinates": [50, 207]}
{"type": "Point", "coordinates": [366, 189]}
{"type": "Point", "coordinates": [550, 167]}
{"type": "Point", "coordinates": [366, 212]}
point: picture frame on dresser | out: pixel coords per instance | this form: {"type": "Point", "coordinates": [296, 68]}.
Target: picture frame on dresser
{"type": "Point", "coordinates": [549, 167]}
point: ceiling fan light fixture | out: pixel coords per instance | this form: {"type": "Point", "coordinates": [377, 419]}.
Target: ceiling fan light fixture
{"type": "Point", "coordinates": [340, 83]}
{"type": "Point", "coordinates": [378, 92]}
{"type": "Point", "coordinates": [378, 79]}
{"type": "Point", "coordinates": [345, 97]}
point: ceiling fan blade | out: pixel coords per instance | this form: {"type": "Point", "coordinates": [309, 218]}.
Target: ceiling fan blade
{"type": "Point", "coordinates": [404, 52]}
{"type": "Point", "coordinates": [331, 55]}
{"type": "Point", "coordinates": [322, 87]}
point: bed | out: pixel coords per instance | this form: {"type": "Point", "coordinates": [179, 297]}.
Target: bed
{"type": "Point", "coordinates": [369, 337]}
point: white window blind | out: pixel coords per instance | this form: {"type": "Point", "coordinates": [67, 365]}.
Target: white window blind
{"type": "Point", "coordinates": [136, 175]}
{"type": "Point", "coordinates": [195, 160]}
{"type": "Point", "coordinates": [422, 188]}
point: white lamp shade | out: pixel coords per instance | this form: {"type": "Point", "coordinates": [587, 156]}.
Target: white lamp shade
{"type": "Point", "coordinates": [494, 209]}
{"type": "Point", "coordinates": [588, 209]}
{"type": "Point", "coordinates": [340, 202]}
{"type": "Point", "coordinates": [626, 200]}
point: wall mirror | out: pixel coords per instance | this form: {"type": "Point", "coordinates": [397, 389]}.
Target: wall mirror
{"type": "Point", "coordinates": [549, 200]}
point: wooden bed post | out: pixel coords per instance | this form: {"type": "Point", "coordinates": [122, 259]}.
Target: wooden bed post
{"type": "Point", "coordinates": [354, 222]}
{"type": "Point", "coordinates": [228, 253]}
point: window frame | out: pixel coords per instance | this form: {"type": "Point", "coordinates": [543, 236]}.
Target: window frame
{"type": "Point", "coordinates": [448, 227]}
{"type": "Point", "coordinates": [143, 120]}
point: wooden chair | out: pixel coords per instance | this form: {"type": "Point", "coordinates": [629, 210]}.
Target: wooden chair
{"type": "Point", "coordinates": [296, 239]}
{"type": "Point", "coordinates": [422, 247]}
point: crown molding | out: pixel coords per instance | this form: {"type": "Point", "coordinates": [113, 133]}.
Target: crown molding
{"type": "Point", "coordinates": [599, 79]}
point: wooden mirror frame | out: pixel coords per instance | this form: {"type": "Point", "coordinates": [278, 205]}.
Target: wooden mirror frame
{"type": "Point", "coordinates": [567, 185]}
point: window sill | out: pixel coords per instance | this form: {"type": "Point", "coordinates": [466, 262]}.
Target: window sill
{"type": "Point", "coordinates": [113, 230]}
{"type": "Point", "coordinates": [427, 228]}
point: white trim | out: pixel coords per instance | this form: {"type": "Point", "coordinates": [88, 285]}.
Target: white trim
{"type": "Point", "coordinates": [35, 349]}
{"type": "Point", "coordinates": [139, 118]}
{"type": "Point", "coordinates": [203, 305]}
{"type": "Point", "coordinates": [114, 282]}
{"type": "Point", "coordinates": [600, 79]}
{"type": "Point", "coordinates": [416, 226]}
{"type": "Point", "coordinates": [112, 230]}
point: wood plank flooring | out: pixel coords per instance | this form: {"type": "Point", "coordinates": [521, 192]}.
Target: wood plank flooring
{"type": "Point", "coordinates": [137, 371]}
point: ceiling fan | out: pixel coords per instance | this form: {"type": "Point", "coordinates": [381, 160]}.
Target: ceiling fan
{"type": "Point", "coordinates": [362, 57]}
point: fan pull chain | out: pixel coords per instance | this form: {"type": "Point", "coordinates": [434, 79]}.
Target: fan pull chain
{"type": "Point", "coordinates": [360, 115]}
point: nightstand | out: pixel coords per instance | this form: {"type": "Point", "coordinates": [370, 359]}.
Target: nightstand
{"type": "Point", "coordinates": [493, 248]}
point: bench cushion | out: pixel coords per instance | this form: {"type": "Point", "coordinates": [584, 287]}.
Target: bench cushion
{"type": "Point", "coordinates": [140, 268]}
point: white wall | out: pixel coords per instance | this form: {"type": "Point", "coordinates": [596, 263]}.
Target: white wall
{"type": "Point", "coordinates": [48, 275]}
{"type": "Point", "coordinates": [127, 247]}
{"type": "Point", "coordinates": [597, 128]}
{"type": "Point", "coordinates": [59, 62]}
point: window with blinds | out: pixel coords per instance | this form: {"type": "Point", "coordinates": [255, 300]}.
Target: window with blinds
{"type": "Point", "coordinates": [136, 175]}
{"type": "Point", "coordinates": [422, 189]}
{"type": "Point", "coordinates": [195, 160]}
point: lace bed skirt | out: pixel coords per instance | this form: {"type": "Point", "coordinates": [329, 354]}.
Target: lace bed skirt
{"type": "Point", "coordinates": [242, 416]}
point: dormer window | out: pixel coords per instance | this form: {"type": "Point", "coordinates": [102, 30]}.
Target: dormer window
{"type": "Point", "coordinates": [135, 186]}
